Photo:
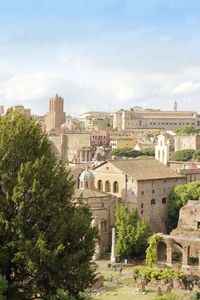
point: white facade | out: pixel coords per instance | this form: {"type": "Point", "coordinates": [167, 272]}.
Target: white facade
{"type": "Point", "coordinates": [162, 149]}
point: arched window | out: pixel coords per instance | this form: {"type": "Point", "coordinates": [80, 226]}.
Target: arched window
{"type": "Point", "coordinates": [115, 187]}
{"type": "Point", "coordinates": [100, 185]}
{"type": "Point", "coordinates": [107, 186]}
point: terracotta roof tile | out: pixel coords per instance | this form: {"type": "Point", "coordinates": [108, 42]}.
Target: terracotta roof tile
{"type": "Point", "coordinates": [144, 169]}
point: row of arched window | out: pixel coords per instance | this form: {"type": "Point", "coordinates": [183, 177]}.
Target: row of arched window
{"type": "Point", "coordinates": [107, 186]}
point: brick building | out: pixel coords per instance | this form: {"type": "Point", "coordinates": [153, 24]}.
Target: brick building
{"type": "Point", "coordinates": [99, 138]}
{"type": "Point", "coordinates": [56, 116]}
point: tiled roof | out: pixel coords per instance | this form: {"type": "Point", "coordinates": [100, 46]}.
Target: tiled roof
{"type": "Point", "coordinates": [144, 169]}
{"type": "Point", "coordinates": [88, 193]}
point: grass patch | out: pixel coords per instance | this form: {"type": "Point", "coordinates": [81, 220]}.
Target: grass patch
{"type": "Point", "coordinates": [107, 276]}
{"type": "Point", "coordinates": [125, 293]}
{"type": "Point", "coordinates": [127, 280]}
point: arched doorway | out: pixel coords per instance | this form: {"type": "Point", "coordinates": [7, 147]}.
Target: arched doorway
{"type": "Point", "coordinates": [162, 252]}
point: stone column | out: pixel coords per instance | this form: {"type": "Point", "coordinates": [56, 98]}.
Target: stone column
{"type": "Point", "coordinates": [169, 255]}
{"type": "Point", "coordinates": [185, 256]}
{"type": "Point", "coordinates": [94, 224]}
{"type": "Point", "coordinates": [113, 257]}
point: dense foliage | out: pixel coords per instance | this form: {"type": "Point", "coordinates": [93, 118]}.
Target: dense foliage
{"type": "Point", "coordinates": [132, 233]}
{"type": "Point", "coordinates": [3, 287]}
{"type": "Point", "coordinates": [157, 274]}
{"type": "Point", "coordinates": [185, 155]}
{"type": "Point", "coordinates": [46, 241]}
{"type": "Point", "coordinates": [151, 256]}
{"type": "Point", "coordinates": [186, 129]}
{"type": "Point", "coordinates": [129, 152]}
{"type": "Point", "coordinates": [179, 196]}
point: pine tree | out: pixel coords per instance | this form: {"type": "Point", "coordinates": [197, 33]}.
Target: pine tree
{"type": "Point", "coordinates": [46, 241]}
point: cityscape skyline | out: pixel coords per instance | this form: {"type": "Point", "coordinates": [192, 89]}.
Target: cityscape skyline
{"type": "Point", "coordinates": [100, 55]}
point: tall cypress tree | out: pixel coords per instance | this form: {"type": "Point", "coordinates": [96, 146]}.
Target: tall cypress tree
{"type": "Point", "coordinates": [46, 241]}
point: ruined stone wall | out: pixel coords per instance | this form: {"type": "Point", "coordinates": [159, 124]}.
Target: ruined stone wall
{"type": "Point", "coordinates": [75, 141]}
{"type": "Point", "coordinates": [183, 142]}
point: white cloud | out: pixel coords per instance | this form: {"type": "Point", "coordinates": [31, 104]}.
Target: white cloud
{"type": "Point", "coordinates": [24, 87]}
{"type": "Point", "coordinates": [186, 87]}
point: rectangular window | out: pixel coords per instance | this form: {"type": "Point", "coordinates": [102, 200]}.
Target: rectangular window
{"type": "Point", "coordinates": [142, 205]}
{"type": "Point", "coordinates": [142, 192]}
{"type": "Point", "coordinates": [153, 191]}
{"type": "Point", "coordinates": [164, 200]}
{"type": "Point", "coordinates": [142, 212]}
{"type": "Point", "coordinates": [153, 201]}
{"type": "Point", "coordinates": [198, 225]}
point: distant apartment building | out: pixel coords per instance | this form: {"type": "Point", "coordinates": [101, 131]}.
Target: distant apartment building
{"type": "Point", "coordinates": [56, 116]}
{"type": "Point", "coordinates": [123, 143]}
{"type": "Point", "coordinates": [99, 138]}
{"type": "Point", "coordinates": [155, 119]}
{"type": "Point", "coordinates": [94, 119]}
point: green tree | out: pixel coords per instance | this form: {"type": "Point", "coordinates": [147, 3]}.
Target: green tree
{"type": "Point", "coordinates": [132, 233]}
{"type": "Point", "coordinates": [187, 129]}
{"type": "Point", "coordinates": [179, 196]}
{"type": "Point", "coordinates": [151, 256]}
{"type": "Point", "coordinates": [46, 241]}
{"type": "Point", "coordinates": [183, 155]}
{"type": "Point", "coordinates": [129, 152]}
{"type": "Point", "coordinates": [106, 122]}
{"type": "Point", "coordinates": [196, 155]}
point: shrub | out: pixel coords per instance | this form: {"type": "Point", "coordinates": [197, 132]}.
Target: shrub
{"type": "Point", "coordinates": [157, 273]}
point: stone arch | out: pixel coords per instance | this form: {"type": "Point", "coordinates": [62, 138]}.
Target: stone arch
{"type": "Point", "coordinates": [177, 252]}
{"type": "Point", "coordinates": [100, 185]}
{"type": "Point", "coordinates": [107, 186]}
{"type": "Point", "coordinates": [162, 251]}
{"type": "Point", "coordinates": [115, 187]}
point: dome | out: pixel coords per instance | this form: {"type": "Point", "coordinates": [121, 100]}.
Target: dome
{"type": "Point", "coordinates": [86, 175]}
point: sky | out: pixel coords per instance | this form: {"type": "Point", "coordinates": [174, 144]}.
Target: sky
{"type": "Point", "coordinates": [100, 55]}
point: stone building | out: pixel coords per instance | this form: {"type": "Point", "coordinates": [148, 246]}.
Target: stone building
{"type": "Point", "coordinates": [26, 111]}
{"type": "Point", "coordinates": [123, 143]}
{"type": "Point", "coordinates": [184, 240]}
{"type": "Point", "coordinates": [187, 141]}
{"type": "Point", "coordinates": [102, 206]}
{"type": "Point", "coordinates": [144, 183]}
{"type": "Point", "coordinates": [149, 118]}
{"type": "Point", "coordinates": [73, 147]}
{"type": "Point", "coordinates": [102, 153]}
{"type": "Point", "coordinates": [56, 116]}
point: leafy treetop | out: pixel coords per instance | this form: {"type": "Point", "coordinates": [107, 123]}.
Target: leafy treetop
{"type": "Point", "coordinates": [179, 196]}
{"type": "Point", "coordinates": [132, 233]}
